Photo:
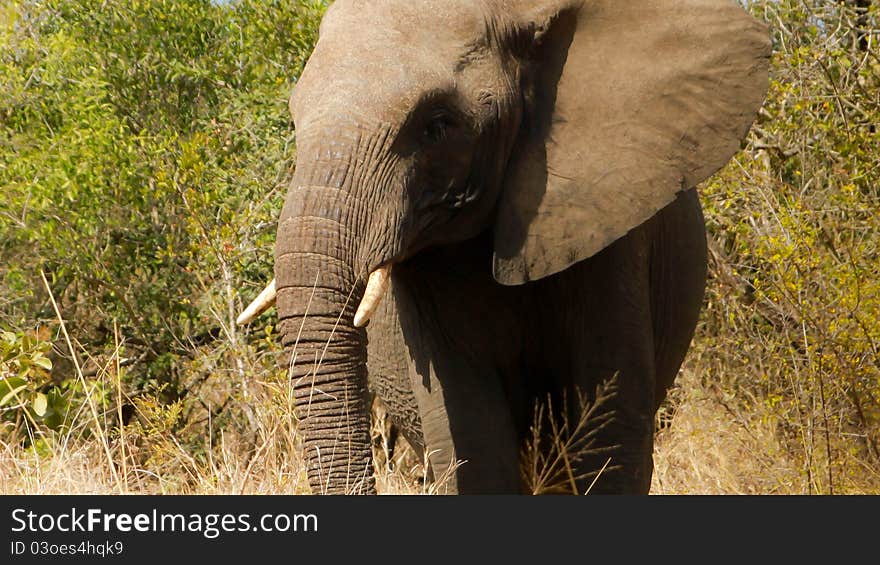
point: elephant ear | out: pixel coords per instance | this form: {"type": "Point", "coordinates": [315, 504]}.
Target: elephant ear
{"type": "Point", "coordinates": [626, 104]}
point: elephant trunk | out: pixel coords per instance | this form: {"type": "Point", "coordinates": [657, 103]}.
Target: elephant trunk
{"type": "Point", "coordinates": [318, 292]}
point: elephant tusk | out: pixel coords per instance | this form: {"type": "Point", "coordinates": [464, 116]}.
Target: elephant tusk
{"type": "Point", "coordinates": [260, 304]}
{"type": "Point", "coordinates": [377, 284]}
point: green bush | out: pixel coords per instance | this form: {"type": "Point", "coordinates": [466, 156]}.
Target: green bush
{"type": "Point", "coordinates": [24, 372]}
{"type": "Point", "coordinates": [792, 327]}
{"type": "Point", "coordinates": [144, 148]}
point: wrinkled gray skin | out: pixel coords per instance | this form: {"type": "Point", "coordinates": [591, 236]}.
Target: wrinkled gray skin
{"type": "Point", "coordinates": [526, 169]}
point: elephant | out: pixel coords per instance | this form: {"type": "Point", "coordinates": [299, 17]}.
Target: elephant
{"type": "Point", "coordinates": [517, 179]}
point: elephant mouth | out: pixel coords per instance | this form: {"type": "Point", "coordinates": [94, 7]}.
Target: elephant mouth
{"type": "Point", "coordinates": [377, 286]}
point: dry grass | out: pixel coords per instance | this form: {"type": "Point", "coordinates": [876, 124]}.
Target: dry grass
{"type": "Point", "coordinates": [709, 442]}
{"type": "Point", "coordinates": [707, 448]}
{"type": "Point", "coordinates": [80, 466]}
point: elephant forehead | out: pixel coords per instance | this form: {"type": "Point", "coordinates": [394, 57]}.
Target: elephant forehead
{"type": "Point", "coordinates": [412, 20]}
{"type": "Point", "coordinates": [380, 57]}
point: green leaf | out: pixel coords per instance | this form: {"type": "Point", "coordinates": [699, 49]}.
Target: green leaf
{"type": "Point", "coordinates": [43, 362]}
{"type": "Point", "coordinates": [40, 404]}
{"type": "Point", "coordinates": [10, 387]}
{"type": "Point", "coordinates": [58, 407]}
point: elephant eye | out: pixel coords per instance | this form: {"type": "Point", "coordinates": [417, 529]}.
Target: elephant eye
{"type": "Point", "coordinates": [437, 129]}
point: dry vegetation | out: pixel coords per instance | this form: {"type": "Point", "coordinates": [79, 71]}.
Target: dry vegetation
{"type": "Point", "coordinates": [144, 188]}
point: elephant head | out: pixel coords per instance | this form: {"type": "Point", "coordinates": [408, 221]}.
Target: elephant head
{"type": "Point", "coordinates": [558, 125]}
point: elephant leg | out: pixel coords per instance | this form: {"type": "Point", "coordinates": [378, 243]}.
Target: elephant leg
{"type": "Point", "coordinates": [605, 362]}
{"type": "Point", "coordinates": [618, 457]}
{"type": "Point", "coordinates": [619, 460]}
{"type": "Point", "coordinates": [678, 283]}
{"type": "Point", "coordinates": [641, 299]}
{"type": "Point", "coordinates": [453, 327]}
{"type": "Point", "coordinates": [468, 429]}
